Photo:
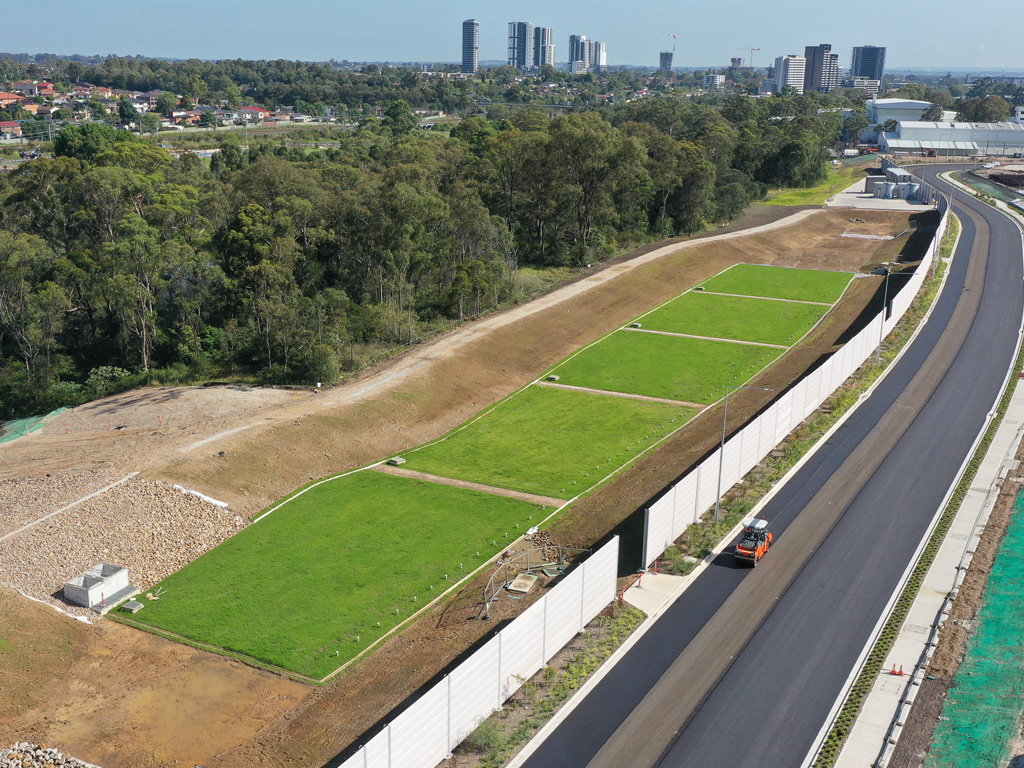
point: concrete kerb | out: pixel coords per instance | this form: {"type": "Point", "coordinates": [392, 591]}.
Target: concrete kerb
{"type": "Point", "coordinates": [885, 709]}
{"type": "Point", "coordinates": [877, 729]}
{"type": "Point", "coordinates": [894, 598]}
{"type": "Point", "coordinates": [1013, 213]}
{"type": "Point", "coordinates": [684, 583]}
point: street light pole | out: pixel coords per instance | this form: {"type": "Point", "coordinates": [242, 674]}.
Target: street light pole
{"type": "Point", "coordinates": [881, 328]}
{"type": "Point", "coordinates": [721, 450]}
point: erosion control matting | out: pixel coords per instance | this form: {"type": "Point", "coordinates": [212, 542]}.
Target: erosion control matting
{"type": "Point", "coordinates": [980, 717]}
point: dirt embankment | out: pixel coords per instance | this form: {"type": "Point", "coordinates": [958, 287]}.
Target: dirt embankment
{"type": "Point", "coordinates": [249, 447]}
{"type": "Point", "coordinates": [117, 697]}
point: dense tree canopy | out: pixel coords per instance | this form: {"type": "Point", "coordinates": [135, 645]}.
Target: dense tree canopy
{"type": "Point", "coordinates": [120, 262]}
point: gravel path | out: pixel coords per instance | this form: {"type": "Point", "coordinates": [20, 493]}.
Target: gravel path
{"type": "Point", "coordinates": [147, 527]}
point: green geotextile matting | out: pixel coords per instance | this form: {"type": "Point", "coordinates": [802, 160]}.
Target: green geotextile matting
{"type": "Point", "coordinates": [12, 430]}
{"type": "Point", "coordinates": [983, 710]}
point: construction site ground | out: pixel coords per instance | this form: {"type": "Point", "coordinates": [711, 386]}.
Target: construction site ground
{"type": "Point", "coordinates": [105, 692]}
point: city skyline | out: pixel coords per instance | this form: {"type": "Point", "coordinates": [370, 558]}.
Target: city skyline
{"type": "Point", "coordinates": [416, 33]}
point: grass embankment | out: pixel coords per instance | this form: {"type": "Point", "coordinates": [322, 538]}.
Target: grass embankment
{"type": "Point", "coordinates": [304, 588]}
{"type": "Point", "coordinates": [313, 584]}
{"type": "Point", "coordinates": [550, 441]}
{"type": "Point", "coordinates": [673, 367]}
{"type": "Point", "coordinates": [780, 283]}
{"type": "Point", "coordinates": [765, 321]}
{"type": "Point", "coordinates": [838, 179]}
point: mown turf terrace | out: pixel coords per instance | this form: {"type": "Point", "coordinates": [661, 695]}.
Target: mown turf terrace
{"type": "Point", "coordinates": [304, 588]}
{"type": "Point", "coordinates": [780, 283]}
{"type": "Point", "coordinates": [298, 588]}
{"type": "Point", "coordinates": [765, 321]}
{"type": "Point", "coordinates": [673, 367]}
{"type": "Point", "coordinates": [549, 441]}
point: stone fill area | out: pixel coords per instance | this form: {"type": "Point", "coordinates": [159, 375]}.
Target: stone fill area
{"type": "Point", "coordinates": [26, 755]}
{"type": "Point", "coordinates": [145, 526]}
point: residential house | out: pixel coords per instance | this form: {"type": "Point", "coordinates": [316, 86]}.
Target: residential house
{"type": "Point", "coordinates": [10, 128]}
{"type": "Point", "coordinates": [6, 99]}
{"type": "Point", "coordinates": [253, 113]}
{"type": "Point", "coordinates": [26, 88]}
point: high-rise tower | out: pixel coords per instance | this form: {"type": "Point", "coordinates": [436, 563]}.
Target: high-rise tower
{"type": "Point", "coordinates": [543, 46]}
{"type": "Point", "coordinates": [470, 46]}
{"type": "Point", "coordinates": [579, 54]}
{"type": "Point", "coordinates": [868, 61]}
{"type": "Point", "coordinates": [520, 45]}
{"type": "Point", "coordinates": [822, 71]}
{"type": "Point", "coordinates": [789, 71]}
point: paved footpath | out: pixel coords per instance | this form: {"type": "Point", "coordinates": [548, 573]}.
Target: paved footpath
{"type": "Point", "coordinates": [886, 708]}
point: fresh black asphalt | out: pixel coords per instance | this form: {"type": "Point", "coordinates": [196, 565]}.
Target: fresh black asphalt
{"type": "Point", "coordinates": [772, 701]}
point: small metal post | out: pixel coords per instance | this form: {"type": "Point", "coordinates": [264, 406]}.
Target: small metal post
{"type": "Point", "coordinates": [881, 329]}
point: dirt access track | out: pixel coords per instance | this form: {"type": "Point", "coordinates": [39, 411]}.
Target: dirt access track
{"type": "Point", "coordinates": [249, 447]}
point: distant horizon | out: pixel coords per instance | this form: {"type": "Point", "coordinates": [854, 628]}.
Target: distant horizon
{"type": "Point", "coordinates": [400, 30]}
{"type": "Point", "coordinates": [489, 63]}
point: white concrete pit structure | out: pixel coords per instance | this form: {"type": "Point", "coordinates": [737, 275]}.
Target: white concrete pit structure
{"type": "Point", "coordinates": [100, 588]}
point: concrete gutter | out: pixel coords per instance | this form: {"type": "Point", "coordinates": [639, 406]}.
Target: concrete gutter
{"type": "Point", "coordinates": [874, 735]}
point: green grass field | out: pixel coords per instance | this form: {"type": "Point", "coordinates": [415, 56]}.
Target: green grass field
{"type": "Point", "coordinates": [780, 283]}
{"type": "Point", "coordinates": [835, 182]}
{"type": "Point", "coordinates": [298, 587]}
{"type": "Point", "coordinates": [693, 370]}
{"type": "Point", "coordinates": [304, 588]}
{"type": "Point", "coordinates": [543, 439]}
{"type": "Point", "coordinates": [735, 317]}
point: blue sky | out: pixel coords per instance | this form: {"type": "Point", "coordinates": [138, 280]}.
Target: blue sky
{"type": "Point", "coordinates": [916, 35]}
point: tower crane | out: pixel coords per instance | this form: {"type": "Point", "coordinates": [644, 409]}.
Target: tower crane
{"type": "Point", "coordinates": [673, 36]}
{"type": "Point", "coordinates": [750, 61]}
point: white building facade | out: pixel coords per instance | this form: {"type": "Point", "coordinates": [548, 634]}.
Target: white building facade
{"type": "Point", "coordinates": [789, 72]}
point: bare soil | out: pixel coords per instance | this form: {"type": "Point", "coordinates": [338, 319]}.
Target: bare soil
{"type": "Point", "coordinates": [251, 446]}
{"type": "Point", "coordinates": [1011, 177]}
{"type": "Point", "coordinates": [918, 732]}
{"type": "Point", "coordinates": [118, 697]}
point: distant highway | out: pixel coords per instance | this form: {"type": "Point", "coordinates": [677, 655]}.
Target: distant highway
{"type": "Point", "coordinates": [744, 669]}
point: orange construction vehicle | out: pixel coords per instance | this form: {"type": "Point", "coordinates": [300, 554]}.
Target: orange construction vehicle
{"type": "Point", "coordinates": [754, 542]}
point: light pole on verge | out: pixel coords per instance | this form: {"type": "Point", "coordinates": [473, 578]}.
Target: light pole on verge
{"type": "Point", "coordinates": [885, 302]}
{"type": "Point", "coordinates": [721, 450]}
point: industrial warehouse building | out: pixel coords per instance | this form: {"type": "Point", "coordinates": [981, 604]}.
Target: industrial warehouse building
{"type": "Point", "coordinates": [954, 139]}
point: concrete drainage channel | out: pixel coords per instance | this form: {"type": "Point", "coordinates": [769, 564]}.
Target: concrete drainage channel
{"type": "Point", "coordinates": [872, 739]}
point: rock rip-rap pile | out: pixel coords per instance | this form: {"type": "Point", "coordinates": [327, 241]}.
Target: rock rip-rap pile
{"type": "Point", "coordinates": [26, 755]}
{"type": "Point", "coordinates": [150, 528]}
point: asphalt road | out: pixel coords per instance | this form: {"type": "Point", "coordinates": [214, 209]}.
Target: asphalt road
{"type": "Point", "coordinates": [744, 668]}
